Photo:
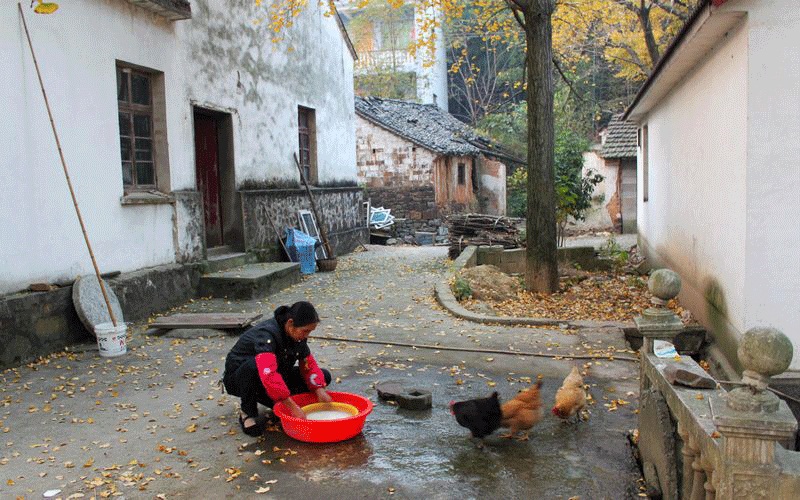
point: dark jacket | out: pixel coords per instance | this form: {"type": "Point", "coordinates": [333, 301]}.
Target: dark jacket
{"type": "Point", "coordinates": [267, 336]}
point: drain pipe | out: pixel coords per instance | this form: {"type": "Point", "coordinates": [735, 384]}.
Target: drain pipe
{"type": "Point", "coordinates": [481, 351]}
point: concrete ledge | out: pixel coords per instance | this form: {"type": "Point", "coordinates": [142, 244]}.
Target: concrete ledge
{"type": "Point", "coordinates": [445, 298]}
{"type": "Point", "coordinates": [34, 324]}
{"type": "Point", "coordinates": [250, 281]}
{"type": "Point", "coordinates": [146, 291]}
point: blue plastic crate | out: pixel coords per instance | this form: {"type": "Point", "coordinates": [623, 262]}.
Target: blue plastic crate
{"type": "Point", "coordinates": [301, 249]}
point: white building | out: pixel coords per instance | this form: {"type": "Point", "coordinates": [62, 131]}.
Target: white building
{"type": "Point", "coordinates": [719, 183]}
{"type": "Point", "coordinates": [385, 48]}
{"type": "Point", "coordinates": [165, 114]}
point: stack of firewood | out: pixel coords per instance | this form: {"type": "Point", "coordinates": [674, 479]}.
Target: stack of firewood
{"type": "Point", "coordinates": [481, 229]}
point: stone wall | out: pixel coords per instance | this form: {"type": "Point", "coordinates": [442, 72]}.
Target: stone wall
{"type": "Point", "coordinates": [267, 212]}
{"type": "Point", "coordinates": [34, 324]}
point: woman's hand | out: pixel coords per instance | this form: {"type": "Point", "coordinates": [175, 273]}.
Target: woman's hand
{"type": "Point", "coordinates": [323, 396]}
{"type": "Point", "coordinates": [295, 410]}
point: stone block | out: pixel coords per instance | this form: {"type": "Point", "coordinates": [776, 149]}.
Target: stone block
{"type": "Point", "coordinates": [676, 375]}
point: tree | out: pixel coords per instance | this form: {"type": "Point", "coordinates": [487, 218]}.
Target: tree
{"type": "Point", "coordinates": [632, 33]}
{"type": "Point", "coordinates": [573, 189]}
{"type": "Point", "coordinates": [541, 268]}
{"type": "Point", "coordinates": [535, 18]}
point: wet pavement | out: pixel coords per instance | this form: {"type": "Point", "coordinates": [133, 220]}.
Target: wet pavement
{"type": "Point", "coordinates": [153, 422]}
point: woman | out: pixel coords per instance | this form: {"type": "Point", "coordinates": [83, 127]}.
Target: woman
{"type": "Point", "coordinates": [261, 365]}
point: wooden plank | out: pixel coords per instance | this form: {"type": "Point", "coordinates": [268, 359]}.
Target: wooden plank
{"type": "Point", "coordinates": [220, 321]}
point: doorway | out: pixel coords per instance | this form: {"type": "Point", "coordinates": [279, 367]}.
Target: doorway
{"type": "Point", "coordinates": [628, 196]}
{"type": "Point", "coordinates": [216, 179]}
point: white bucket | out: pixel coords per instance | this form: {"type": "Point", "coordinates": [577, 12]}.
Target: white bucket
{"type": "Point", "coordinates": [111, 339]}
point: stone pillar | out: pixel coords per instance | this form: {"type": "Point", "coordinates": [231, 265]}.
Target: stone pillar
{"type": "Point", "coordinates": [753, 420]}
{"type": "Point", "coordinates": [658, 322]}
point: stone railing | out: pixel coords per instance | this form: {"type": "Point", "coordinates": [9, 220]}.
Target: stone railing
{"type": "Point", "coordinates": [699, 441]}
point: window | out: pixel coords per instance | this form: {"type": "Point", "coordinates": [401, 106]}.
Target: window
{"type": "Point", "coordinates": [142, 130]}
{"type": "Point", "coordinates": [645, 162]}
{"type": "Point", "coordinates": [474, 176]}
{"type": "Point", "coordinates": [136, 137]}
{"type": "Point", "coordinates": [306, 125]}
{"type": "Point", "coordinates": [462, 174]}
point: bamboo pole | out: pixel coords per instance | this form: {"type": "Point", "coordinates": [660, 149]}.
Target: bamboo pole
{"type": "Point", "coordinates": [323, 231]}
{"type": "Point", "coordinates": [66, 172]}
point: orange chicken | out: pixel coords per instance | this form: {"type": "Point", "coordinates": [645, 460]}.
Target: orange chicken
{"type": "Point", "coordinates": [522, 412]}
{"type": "Point", "coordinates": [570, 397]}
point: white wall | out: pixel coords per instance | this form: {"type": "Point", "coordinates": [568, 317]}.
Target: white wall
{"type": "Point", "coordinates": [695, 221]}
{"type": "Point", "coordinates": [772, 290]}
{"type": "Point", "coordinates": [217, 59]}
{"type": "Point", "coordinates": [76, 49]}
{"type": "Point", "coordinates": [264, 83]}
{"type": "Point", "coordinates": [431, 75]}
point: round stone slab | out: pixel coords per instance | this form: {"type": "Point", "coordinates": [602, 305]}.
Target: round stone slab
{"type": "Point", "coordinates": [389, 390]}
{"type": "Point", "coordinates": [89, 302]}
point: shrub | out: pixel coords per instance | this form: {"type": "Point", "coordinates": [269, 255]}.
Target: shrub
{"type": "Point", "coordinates": [461, 288]}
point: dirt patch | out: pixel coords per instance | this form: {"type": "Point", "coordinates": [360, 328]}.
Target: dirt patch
{"type": "Point", "coordinates": [488, 283]}
{"type": "Point", "coordinates": [583, 295]}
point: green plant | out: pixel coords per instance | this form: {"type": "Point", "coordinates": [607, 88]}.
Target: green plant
{"type": "Point", "coordinates": [573, 188]}
{"type": "Point", "coordinates": [612, 250]}
{"type": "Point", "coordinates": [461, 288]}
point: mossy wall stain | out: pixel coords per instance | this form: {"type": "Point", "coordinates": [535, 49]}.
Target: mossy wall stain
{"type": "Point", "coordinates": [717, 314]}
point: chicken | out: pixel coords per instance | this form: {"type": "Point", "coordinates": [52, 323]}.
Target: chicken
{"type": "Point", "coordinates": [570, 397]}
{"type": "Point", "coordinates": [481, 416]}
{"type": "Point", "coordinates": [522, 412]}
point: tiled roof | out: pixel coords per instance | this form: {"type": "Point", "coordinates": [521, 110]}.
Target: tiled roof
{"type": "Point", "coordinates": [621, 139]}
{"type": "Point", "coordinates": [428, 126]}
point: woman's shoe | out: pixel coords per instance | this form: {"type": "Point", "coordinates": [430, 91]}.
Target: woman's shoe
{"type": "Point", "coordinates": [255, 430]}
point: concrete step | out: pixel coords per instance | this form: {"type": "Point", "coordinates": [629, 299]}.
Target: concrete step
{"type": "Point", "coordinates": [250, 281]}
{"type": "Point", "coordinates": [220, 262]}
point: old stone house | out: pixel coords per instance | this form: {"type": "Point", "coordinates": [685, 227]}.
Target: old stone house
{"type": "Point", "coordinates": [179, 123]}
{"type": "Point", "coordinates": [614, 198]}
{"type": "Point", "coordinates": [423, 163]}
{"type": "Point", "coordinates": [718, 182]}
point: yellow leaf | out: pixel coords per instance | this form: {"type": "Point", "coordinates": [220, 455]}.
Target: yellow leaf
{"type": "Point", "coordinates": [191, 428]}
{"type": "Point", "coordinates": [89, 462]}
{"type": "Point", "coordinates": [263, 489]}
{"type": "Point", "coordinates": [45, 7]}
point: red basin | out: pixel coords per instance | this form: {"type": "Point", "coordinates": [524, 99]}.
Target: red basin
{"type": "Point", "coordinates": [324, 431]}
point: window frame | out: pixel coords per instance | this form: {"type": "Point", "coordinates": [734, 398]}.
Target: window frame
{"type": "Point", "coordinates": [307, 130]}
{"type": "Point", "coordinates": [160, 189]}
{"type": "Point", "coordinates": [461, 174]}
{"type": "Point", "coordinates": [133, 109]}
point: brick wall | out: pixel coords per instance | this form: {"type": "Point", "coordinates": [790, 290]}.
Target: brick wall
{"type": "Point", "coordinates": [385, 159]}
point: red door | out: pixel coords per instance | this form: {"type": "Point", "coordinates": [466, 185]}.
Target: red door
{"type": "Point", "coordinates": [206, 153]}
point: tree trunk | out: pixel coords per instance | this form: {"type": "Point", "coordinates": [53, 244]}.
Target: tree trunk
{"type": "Point", "coordinates": [541, 271]}
{"type": "Point", "coordinates": [643, 14]}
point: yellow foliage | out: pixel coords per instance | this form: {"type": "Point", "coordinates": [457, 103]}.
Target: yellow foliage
{"type": "Point", "coordinates": [581, 28]}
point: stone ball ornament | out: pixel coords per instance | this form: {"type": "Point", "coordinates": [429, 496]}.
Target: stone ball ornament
{"type": "Point", "coordinates": [766, 351]}
{"type": "Point", "coordinates": [664, 284]}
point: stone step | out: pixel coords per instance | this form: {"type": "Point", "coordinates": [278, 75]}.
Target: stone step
{"type": "Point", "coordinates": [250, 281]}
{"type": "Point", "coordinates": [221, 262]}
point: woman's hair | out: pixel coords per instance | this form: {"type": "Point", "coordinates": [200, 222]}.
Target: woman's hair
{"type": "Point", "coordinates": [301, 313]}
